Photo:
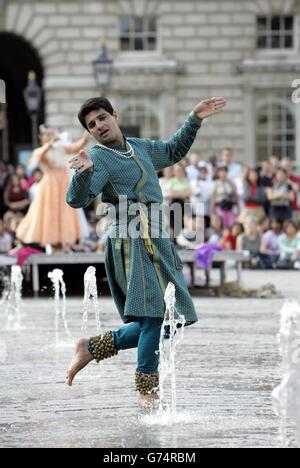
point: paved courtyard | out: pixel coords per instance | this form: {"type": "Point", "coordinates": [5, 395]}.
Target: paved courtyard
{"type": "Point", "coordinates": [227, 367]}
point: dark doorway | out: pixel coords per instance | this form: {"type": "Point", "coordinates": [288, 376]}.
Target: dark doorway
{"type": "Point", "coordinates": [18, 57]}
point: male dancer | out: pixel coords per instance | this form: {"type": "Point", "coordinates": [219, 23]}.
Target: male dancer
{"type": "Point", "coordinates": [138, 269]}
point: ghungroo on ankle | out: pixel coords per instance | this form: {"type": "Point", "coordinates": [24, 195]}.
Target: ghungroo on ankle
{"type": "Point", "coordinates": [102, 347]}
{"type": "Point", "coordinates": [146, 383]}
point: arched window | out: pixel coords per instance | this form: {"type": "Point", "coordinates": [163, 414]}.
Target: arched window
{"type": "Point", "coordinates": [142, 112]}
{"type": "Point", "coordinates": [275, 127]}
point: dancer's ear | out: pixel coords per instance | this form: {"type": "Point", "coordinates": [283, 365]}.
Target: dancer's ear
{"type": "Point", "coordinates": [115, 115]}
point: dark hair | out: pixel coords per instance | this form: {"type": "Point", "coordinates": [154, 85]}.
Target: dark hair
{"type": "Point", "coordinates": [278, 221]}
{"type": "Point", "coordinates": [257, 171]}
{"type": "Point", "coordinates": [237, 225]}
{"type": "Point", "coordinates": [94, 104]}
{"type": "Point", "coordinates": [290, 223]}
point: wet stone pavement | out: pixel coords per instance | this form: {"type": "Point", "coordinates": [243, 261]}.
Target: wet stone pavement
{"type": "Point", "coordinates": [227, 367]}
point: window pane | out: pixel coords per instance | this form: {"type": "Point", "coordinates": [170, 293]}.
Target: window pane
{"type": "Point", "coordinates": [138, 43]}
{"type": "Point", "coordinates": [289, 42]}
{"type": "Point", "coordinates": [125, 43]}
{"type": "Point", "coordinates": [275, 42]}
{"type": "Point", "coordinates": [261, 23]}
{"type": "Point", "coordinates": [289, 23]}
{"type": "Point", "coordinates": [262, 42]}
{"type": "Point", "coordinates": [152, 24]}
{"type": "Point", "coordinates": [139, 25]}
{"type": "Point", "coordinates": [276, 23]}
{"type": "Point", "coordinates": [151, 43]}
{"type": "Point", "coordinates": [125, 24]}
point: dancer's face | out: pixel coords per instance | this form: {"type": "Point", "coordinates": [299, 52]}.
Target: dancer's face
{"type": "Point", "coordinates": [103, 126]}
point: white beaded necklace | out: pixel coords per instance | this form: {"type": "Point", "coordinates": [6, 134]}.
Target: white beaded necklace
{"type": "Point", "coordinates": [125, 155]}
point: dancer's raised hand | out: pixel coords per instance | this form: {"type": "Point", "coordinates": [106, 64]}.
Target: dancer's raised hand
{"type": "Point", "coordinates": [210, 107]}
{"type": "Point", "coordinates": [81, 162]}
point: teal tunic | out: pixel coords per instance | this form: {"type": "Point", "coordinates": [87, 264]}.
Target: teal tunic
{"type": "Point", "coordinates": [138, 278]}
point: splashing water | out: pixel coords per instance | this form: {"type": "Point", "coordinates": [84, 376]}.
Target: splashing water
{"type": "Point", "coordinates": [14, 306]}
{"type": "Point", "coordinates": [90, 294]}
{"type": "Point", "coordinates": [56, 276]}
{"type": "Point", "coordinates": [4, 279]}
{"type": "Point", "coordinates": [286, 397]}
{"type": "Point", "coordinates": [173, 329]}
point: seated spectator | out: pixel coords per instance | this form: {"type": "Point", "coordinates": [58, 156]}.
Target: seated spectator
{"type": "Point", "coordinates": [264, 225]}
{"type": "Point", "coordinates": [229, 241]}
{"type": "Point", "coordinates": [192, 235]}
{"type": "Point", "coordinates": [224, 198]}
{"type": "Point", "coordinates": [269, 249]}
{"type": "Point", "coordinates": [5, 240]}
{"type": "Point", "coordinates": [192, 170]}
{"type": "Point", "coordinates": [25, 181]}
{"type": "Point", "coordinates": [254, 197]}
{"type": "Point", "coordinates": [250, 241]}
{"type": "Point", "coordinates": [202, 190]}
{"type": "Point", "coordinates": [289, 244]}
{"type": "Point", "coordinates": [215, 232]}
{"type": "Point", "coordinates": [15, 198]}
{"type": "Point", "coordinates": [281, 197]}
{"type": "Point", "coordinates": [37, 176]}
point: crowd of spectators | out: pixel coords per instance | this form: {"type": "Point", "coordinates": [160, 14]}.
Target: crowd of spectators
{"type": "Point", "coordinates": [235, 207]}
{"type": "Point", "coordinates": [239, 208]}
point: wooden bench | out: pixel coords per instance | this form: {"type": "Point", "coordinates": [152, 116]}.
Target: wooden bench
{"type": "Point", "coordinates": [187, 257]}
{"type": "Point", "coordinates": [220, 261]}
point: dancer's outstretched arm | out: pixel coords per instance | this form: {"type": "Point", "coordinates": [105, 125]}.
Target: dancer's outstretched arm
{"type": "Point", "coordinates": [167, 153]}
{"type": "Point", "coordinates": [88, 181]}
{"type": "Point", "coordinates": [78, 145]}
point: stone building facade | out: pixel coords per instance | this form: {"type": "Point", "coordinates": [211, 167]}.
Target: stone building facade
{"type": "Point", "coordinates": [202, 48]}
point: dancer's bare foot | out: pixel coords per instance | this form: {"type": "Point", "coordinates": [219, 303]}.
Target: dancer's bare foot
{"type": "Point", "coordinates": [81, 359]}
{"type": "Point", "coordinates": [150, 401]}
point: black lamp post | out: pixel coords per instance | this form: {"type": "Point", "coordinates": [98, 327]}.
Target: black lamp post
{"type": "Point", "coordinates": [32, 96]}
{"type": "Point", "coordinates": [103, 66]}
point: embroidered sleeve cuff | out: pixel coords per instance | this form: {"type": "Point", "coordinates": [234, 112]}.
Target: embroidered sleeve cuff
{"type": "Point", "coordinates": [195, 119]}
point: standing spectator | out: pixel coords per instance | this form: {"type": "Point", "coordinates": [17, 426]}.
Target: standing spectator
{"type": "Point", "coordinates": [165, 182]}
{"type": "Point", "coordinates": [269, 249]}
{"type": "Point", "coordinates": [179, 193]}
{"type": "Point", "coordinates": [213, 166]}
{"type": "Point", "coordinates": [294, 179]}
{"type": "Point", "coordinates": [235, 171]}
{"type": "Point", "coordinates": [192, 170]}
{"type": "Point", "coordinates": [289, 244]}
{"type": "Point", "coordinates": [281, 197]}
{"type": "Point", "coordinates": [4, 176]}
{"type": "Point", "coordinates": [254, 197]}
{"type": "Point", "coordinates": [16, 199]}
{"type": "Point", "coordinates": [251, 241]}
{"type": "Point", "coordinates": [266, 174]}
{"type": "Point", "coordinates": [275, 164]}
{"type": "Point", "coordinates": [202, 190]}
{"type": "Point", "coordinates": [224, 198]}
{"type": "Point", "coordinates": [230, 237]}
